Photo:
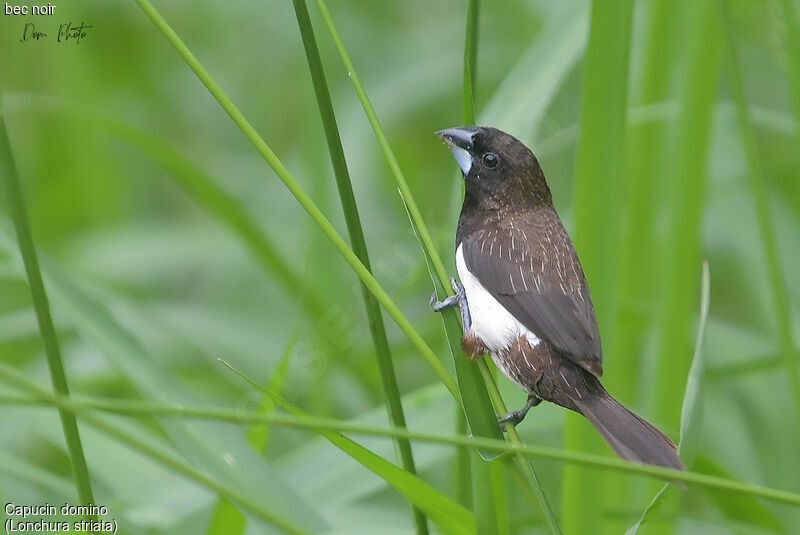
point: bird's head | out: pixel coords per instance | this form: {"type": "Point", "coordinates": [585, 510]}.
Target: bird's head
{"type": "Point", "coordinates": [496, 165]}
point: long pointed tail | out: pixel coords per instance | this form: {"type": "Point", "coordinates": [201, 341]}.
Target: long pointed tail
{"type": "Point", "coordinates": [633, 438]}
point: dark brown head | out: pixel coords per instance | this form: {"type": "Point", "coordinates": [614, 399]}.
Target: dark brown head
{"type": "Point", "coordinates": [498, 168]}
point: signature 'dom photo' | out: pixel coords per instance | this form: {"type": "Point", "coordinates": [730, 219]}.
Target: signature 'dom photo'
{"type": "Point", "coordinates": [347, 267]}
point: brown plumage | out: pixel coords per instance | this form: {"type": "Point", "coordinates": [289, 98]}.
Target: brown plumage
{"type": "Point", "coordinates": [528, 303]}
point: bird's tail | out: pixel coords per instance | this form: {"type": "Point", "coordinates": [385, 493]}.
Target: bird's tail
{"type": "Point", "coordinates": [633, 438]}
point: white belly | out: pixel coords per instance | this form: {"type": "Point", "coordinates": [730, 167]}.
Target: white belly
{"type": "Point", "coordinates": [491, 322]}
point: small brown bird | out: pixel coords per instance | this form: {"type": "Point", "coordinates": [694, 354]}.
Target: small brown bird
{"type": "Point", "coordinates": [524, 298]}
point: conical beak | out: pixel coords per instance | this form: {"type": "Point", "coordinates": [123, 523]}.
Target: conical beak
{"type": "Point", "coordinates": [459, 140]}
{"type": "Point", "coordinates": [459, 136]}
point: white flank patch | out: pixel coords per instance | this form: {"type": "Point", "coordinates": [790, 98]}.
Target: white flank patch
{"type": "Point", "coordinates": [493, 324]}
{"type": "Point", "coordinates": [463, 158]}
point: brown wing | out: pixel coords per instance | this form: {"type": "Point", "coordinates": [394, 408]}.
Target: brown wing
{"type": "Point", "coordinates": [531, 268]}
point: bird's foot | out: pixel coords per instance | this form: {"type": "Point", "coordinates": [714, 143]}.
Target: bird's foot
{"type": "Point", "coordinates": [458, 299]}
{"type": "Point", "coordinates": [515, 417]}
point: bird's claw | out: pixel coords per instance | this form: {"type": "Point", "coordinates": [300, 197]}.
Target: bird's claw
{"type": "Point", "coordinates": [459, 298]}
{"type": "Point", "coordinates": [438, 306]}
{"type": "Point", "coordinates": [458, 289]}
{"type": "Point", "coordinates": [515, 417]}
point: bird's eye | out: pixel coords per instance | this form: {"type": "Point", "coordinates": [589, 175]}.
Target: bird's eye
{"type": "Point", "coordinates": [490, 160]}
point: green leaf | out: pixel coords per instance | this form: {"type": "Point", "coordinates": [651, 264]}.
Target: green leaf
{"type": "Point", "coordinates": [258, 436]}
{"type": "Point", "coordinates": [448, 515]}
{"type": "Point", "coordinates": [692, 410]}
{"type": "Point", "coordinates": [226, 518]}
{"type": "Point", "coordinates": [154, 449]}
{"type": "Point", "coordinates": [483, 502]}
{"type": "Point", "coordinates": [226, 455]}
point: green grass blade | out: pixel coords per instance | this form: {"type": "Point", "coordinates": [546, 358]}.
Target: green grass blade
{"type": "Point", "coordinates": [529, 482]}
{"type": "Point", "coordinates": [41, 397]}
{"type": "Point", "coordinates": [181, 467]}
{"type": "Point", "coordinates": [497, 480]}
{"type": "Point", "coordinates": [639, 243]}
{"type": "Point", "coordinates": [226, 519]}
{"type": "Point", "coordinates": [474, 396]}
{"type": "Point", "coordinates": [448, 515]}
{"type": "Point", "coordinates": [462, 463]}
{"type": "Point", "coordinates": [302, 197]}
{"type": "Point", "coordinates": [195, 182]}
{"type": "Point", "coordinates": [402, 184]}
{"type": "Point", "coordinates": [780, 289]}
{"type": "Point", "coordinates": [435, 258]}
{"type": "Point", "coordinates": [470, 63]}
{"type": "Point", "coordinates": [258, 436]}
{"type": "Point", "coordinates": [201, 187]}
{"type": "Point", "coordinates": [240, 468]}
{"type": "Point", "coordinates": [481, 410]}
{"type": "Point", "coordinates": [598, 183]}
{"type": "Point", "coordinates": [687, 176]}
{"type": "Point", "coordinates": [692, 410]}
{"type": "Point", "coordinates": [466, 482]}
{"type": "Point", "coordinates": [41, 305]}
{"type": "Point", "coordinates": [156, 452]}
{"type": "Point", "coordinates": [200, 444]}
{"type": "Point", "coordinates": [483, 504]}
{"type": "Point", "coordinates": [391, 392]}
{"type": "Point", "coordinates": [521, 101]}
{"type": "Point", "coordinates": [687, 204]}
{"type": "Point", "coordinates": [483, 423]}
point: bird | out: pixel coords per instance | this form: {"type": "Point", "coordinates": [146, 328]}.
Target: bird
{"type": "Point", "coordinates": [523, 295]}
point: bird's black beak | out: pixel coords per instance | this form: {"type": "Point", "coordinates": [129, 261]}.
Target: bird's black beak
{"type": "Point", "coordinates": [459, 136]}
{"type": "Point", "coordinates": [459, 140]}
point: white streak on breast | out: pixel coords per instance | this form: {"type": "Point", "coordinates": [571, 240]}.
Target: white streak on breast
{"type": "Point", "coordinates": [491, 322]}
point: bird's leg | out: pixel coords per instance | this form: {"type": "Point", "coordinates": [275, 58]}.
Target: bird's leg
{"type": "Point", "coordinates": [459, 298]}
{"type": "Point", "coordinates": [515, 417]}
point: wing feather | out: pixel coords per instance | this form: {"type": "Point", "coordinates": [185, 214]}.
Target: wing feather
{"type": "Point", "coordinates": [541, 282]}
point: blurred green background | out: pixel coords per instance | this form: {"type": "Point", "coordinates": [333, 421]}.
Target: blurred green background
{"type": "Point", "coordinates": [149, 286]}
